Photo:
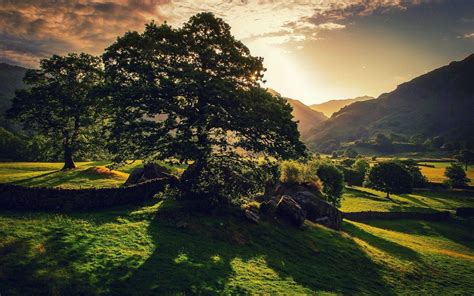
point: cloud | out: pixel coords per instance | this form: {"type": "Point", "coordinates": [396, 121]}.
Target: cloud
{"type": "Point", "coordinates": [34, 29]}
{"type": "Point", "coordinates": [468, 35]}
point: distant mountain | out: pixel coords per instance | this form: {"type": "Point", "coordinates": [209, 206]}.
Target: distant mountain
{"type": "Point", "coordinates": [332, 106]}
{"type": "Point", "coordinates": [307, 118]}
{"type": "Point", "coordinates": [439, 103]}
{"type": "Point", "coordinates": [11, 78]}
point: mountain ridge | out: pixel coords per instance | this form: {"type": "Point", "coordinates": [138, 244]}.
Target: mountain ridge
{"type": "Point", "coordinates": [438, 103]}
{"type": "Point", "coordinates": [330, 107]}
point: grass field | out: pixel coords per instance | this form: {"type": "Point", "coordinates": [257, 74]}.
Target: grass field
{"type": "Point", "coordinates": [436, 174]}
{"type": "Point", "coordinates": [160, 248]}
{"type": "Point", "coordinates": [141, 250]}
{"type": "Point", "coordinates": [357, 199]}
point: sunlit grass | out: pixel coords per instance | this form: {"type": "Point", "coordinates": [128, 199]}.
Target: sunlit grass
{"type": "Point", "coordinates": [436, 174]}
{"type": "Point", "coordinates": [357, 199]}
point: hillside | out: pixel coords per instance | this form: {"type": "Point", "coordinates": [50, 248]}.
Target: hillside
{"type": "Point", "coordinates": [307, 118]}
{"type": "Point", "coordinates": [439, 103]}
{"type": "Point", "coordinates": [332, 106]}
{"type": "Point", "coordinates": [11, 78]}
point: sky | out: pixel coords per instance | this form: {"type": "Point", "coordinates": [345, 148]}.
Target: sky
{"type": "Point", "coordinates": [313, 50]}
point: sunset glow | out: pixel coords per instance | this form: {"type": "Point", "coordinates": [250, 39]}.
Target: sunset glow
{"type": "Point", "coordinates": [313, 50]}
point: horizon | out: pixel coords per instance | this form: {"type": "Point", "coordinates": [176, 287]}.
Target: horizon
{"type": "Point", "coordinates": [314, 51]}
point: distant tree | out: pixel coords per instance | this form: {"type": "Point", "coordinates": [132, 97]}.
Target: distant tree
{"type": "Point", "coordinates": [58, 101]}
{"type": "Point", "coordinates": [419, 181]}
{"type": "Point", "coordinates": [333, 182]}
{"type": "Point", "coordinates": [465, 157]}
{"type": "Point", "coordinates": [193, 94]}
{"type": "Point", "coordinates": [389, 177]}
{"type": "Point", "coordinates": [351, 153]}
{"type": "Point", "coordinates": [456, 176]}
{"type": "Point", "coordinates": [334, 155]}
{"type": "Point", "coordinates": [362, 166]}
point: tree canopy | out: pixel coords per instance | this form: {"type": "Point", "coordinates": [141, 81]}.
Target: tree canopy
{"type": "Point", "coordinates": [58, 101]}
{"type": "Point", "coordinates": [191, 94]}
{"type": "Point", "coordinates": [390, 177]}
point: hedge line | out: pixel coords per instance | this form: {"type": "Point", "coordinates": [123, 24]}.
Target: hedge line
{"type": "Point", "coordinates": [15, 197]}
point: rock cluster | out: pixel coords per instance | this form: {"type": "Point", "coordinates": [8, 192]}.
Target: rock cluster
{"type": "Point", "coordinates": [295, 203]}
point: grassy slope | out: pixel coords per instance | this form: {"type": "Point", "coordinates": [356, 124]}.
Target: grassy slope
{"type": "Point", "coordinates": [140, 250]}
{"type": "Point", "coordinates": [364, 199]}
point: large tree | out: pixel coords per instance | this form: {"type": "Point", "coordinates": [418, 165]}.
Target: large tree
{"type": "Point", "coordinates": [390, 177]}
{"type": "Point", "coordinates": [58, 101]}
{"type": "Point", "coordinates": [193, 93]}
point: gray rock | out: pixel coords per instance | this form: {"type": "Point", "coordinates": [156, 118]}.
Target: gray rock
{"type": "Point", "coordinates": [289, 210]}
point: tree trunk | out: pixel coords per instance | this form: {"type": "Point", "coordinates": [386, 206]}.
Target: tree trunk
{"type": "Point", "coordinates": [388, 195]}
{"type": "Point", "coordinates": [68, 161]}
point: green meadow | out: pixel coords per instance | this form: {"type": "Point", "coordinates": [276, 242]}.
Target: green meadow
{"type": "Point", "coordinates": [161, 248]}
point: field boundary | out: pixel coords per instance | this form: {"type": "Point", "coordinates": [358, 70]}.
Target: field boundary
{"type": "Point", "coordinates": [376, 215]}
{"type": "Point", "coordinates": [16, 197]}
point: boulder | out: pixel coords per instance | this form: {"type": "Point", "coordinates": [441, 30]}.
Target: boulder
{"type": "Point", "coordinates": [149, 171]}
{"type": "Point", "coordinates": [268, 207]}
{"type": "Point", "coordinates": [289, 210]}
{"type": "Point", "coordinates": [311, 201]}
{"type": "Point", "coordinates": [251, 213]}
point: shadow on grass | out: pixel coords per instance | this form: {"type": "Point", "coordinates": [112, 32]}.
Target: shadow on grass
{"type": "Point", "coordinates": [31, 179]}
{"type": "Point", "coordinates": [192, 254]}
{"type": "Point", "coordinates": [222, 255]}
{"type": "Point", "coordinates": [387, 246]}
{"type": "Point", "coordinates": [455, 230]}
{"type": "Point", "coordinates": [75, 177]}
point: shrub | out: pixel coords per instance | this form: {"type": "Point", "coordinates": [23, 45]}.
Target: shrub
{"type": "Point", "coordinates": [294, 172]}
{"type": "Point", "coordinates": [224, 180]}
{"type": "Point", "coordinates": [456, 176]}
{"type": "Point", "coordinates": [333, 182]}
{"type": "Point", "coordinates": [390, 177]}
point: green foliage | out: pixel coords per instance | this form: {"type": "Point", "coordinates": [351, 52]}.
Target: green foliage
{"type": "Point", "coordinates": [59, 102]}
{"type": "Point", "coordinates": [333, 182]}
{"type": "Point", "coordinates": [193, 93]}
{"type": "Point", "coordinates": [389, 177]}
{"type": "Point", "coordinates": [351, 153]}
{"type": "Point", "coordinates": [465, 157]}
{"type": "Point", "coordinates": [12, 147]}
{"type": "Point", "coordinates": [222, 180]}
{"type": "Point", "coordinates": [355, 174]}
{"type": "Point", "coordinates": [456, 176]}
{"type": "Point", "coordinates": [295, 172]}
{"type": "Point", "coordinates": [418, 180]}
{"type": "Point", "coordinates": [348, 162]}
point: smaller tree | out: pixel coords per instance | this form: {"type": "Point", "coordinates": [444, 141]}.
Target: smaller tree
{"type": "Point", "coordinates": [58, 102]}
{"type": "Point", "coordinates": [456, 176]}
{"type": "Point", "coordinates": [465, 157]}
{"type": "Point", "coordinates": [362, 166]}
{"type": "Point", "coordinates": [333, 182]}
{"type": "Point", "coordinates": [389, 177]}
